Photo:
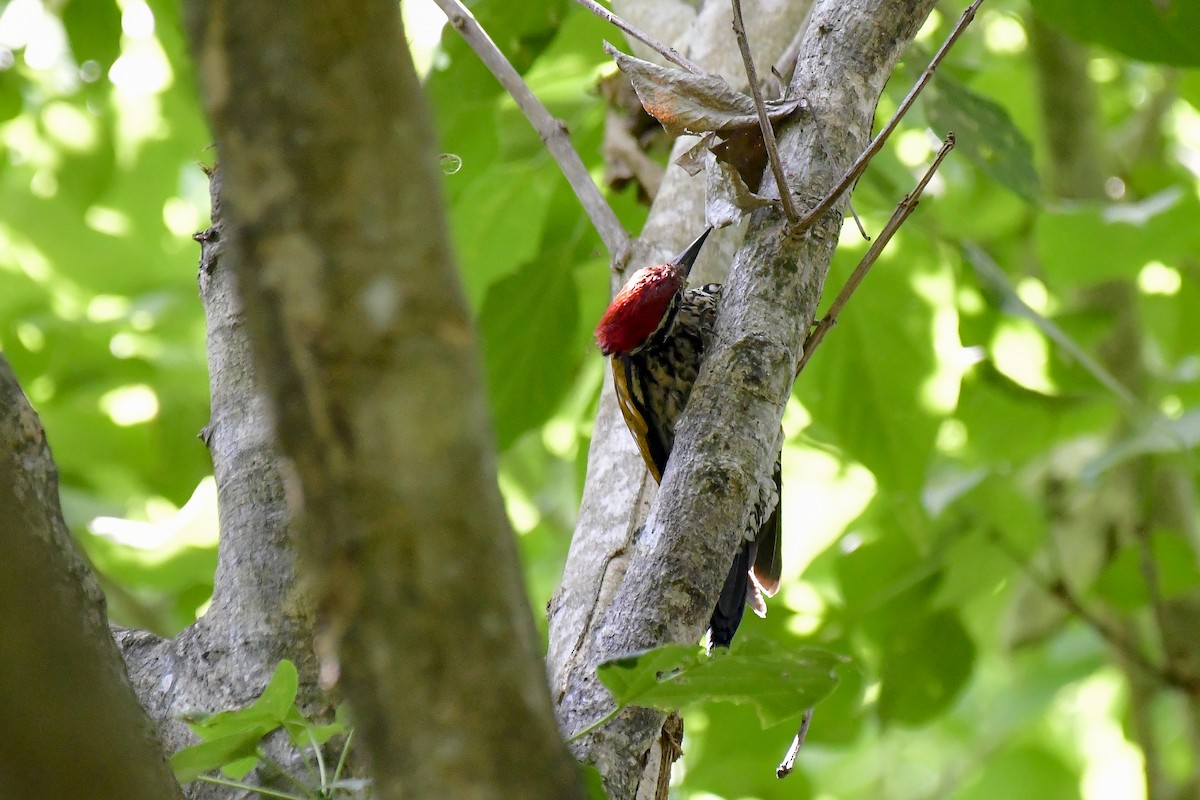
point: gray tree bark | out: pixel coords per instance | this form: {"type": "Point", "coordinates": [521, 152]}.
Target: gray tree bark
{"type": "Point", "coordinates": [630, 592]}
{"type": "Point", "coordinates": [363, 343]}
{"type": "Point", "coordinates": [259, 614]}
{"type": "Point", "coordinates": [71, 724]}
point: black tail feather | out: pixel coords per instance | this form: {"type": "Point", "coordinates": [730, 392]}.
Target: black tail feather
{"type": "Point", "coordinates": [732, 604]}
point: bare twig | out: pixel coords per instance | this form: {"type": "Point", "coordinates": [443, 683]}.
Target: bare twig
{"type": "Point", "coordinates": [764, 124]}
{"type": "Point", "coordinates": [789, 761]}
{"type": "Point", "coordinates": [903, 209]}
{"type": "Point", "coordinates": [1167, 674]}
{"type": "Point", "coordinates": [665, 50]}
{"type": "Point", "coordinates": [877, 143]}
{"type": "Point", "coordinates": [552, 131]}
{"type": "Point", "coordinates": [829, 155]}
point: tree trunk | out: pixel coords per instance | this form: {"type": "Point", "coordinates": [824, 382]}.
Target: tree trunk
{"type": "Point", "coordinates": [365, 349]}
{"type": "Point", "coordinates": [645, 586]}
{"type": "Point", "coordinates": [71, 725]}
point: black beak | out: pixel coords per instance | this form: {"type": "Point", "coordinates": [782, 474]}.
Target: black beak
{"type": "Point", "coordinates": [687, 258]}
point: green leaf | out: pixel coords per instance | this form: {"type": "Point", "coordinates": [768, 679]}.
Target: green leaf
{"type": "Point", "coordinates": [272, 708]}
{"type": "Point", "coordinates": [1147, 30]}
{"type": "Point", "coordinates": [593, 782]}
{"type": "Point", "coordinates": [873, 575]}
{"type": "Point", "coordinates": [94, 30]}
{"type": "Point", "coordinates": [1021, 770]}
{"type": "Point", "coordinates": [231, 738]}
{"type": "Point", "coordinates": [497, 222]}
{"type": "Point", "coordinates": [228, 723]}
{"type": "Point", "coordinates": [924, 667]}
{"type": "Point", "coordinates": [11, 99]}
{"type": "Point", "coordinates": [1091, 243]}
{"type": "Point", "coordinates": [728, 755]}
{"type": "Point", "coordinates": [1123, 581]}
{"type": "Point", "coordinates": [630, 677]}
{"type": "Point", "coordinates": [192, 762]}
{"type": "Point", "coordinates": [996, 282]}
{"type": "Point", "coordinates": [279, 695]}
{"type": "Point", "coordinates": [778, 683]}
{"type": "Point", "coordinates": [528, 325]}
{"type": "Point", "coordinates": [1007, 421]}
{"type": "Point", "coordinates": [240, 768]}
{"type": "Point", "coordinates": [864, 387]}
{"type": "Point", "coordinates": [985, 134]}
{"type": "Point", "coordinates": [302, 731]}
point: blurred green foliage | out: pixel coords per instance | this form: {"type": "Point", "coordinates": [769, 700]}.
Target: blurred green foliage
{"type": "Point", "coordinates": [958, 459]}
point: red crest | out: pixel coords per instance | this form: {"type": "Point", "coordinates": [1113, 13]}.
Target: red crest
{"type": "Point", "coordinates": [638, 309]}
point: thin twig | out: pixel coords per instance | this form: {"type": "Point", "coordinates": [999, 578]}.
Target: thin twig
{"type": "Point", "coordinates": [829, 155]}
{"type": "Point", "coordinates": [877, 143]}
{"type": "Point", "coordinates": [665, 50]}
{"type": "Point", "coordinates": [552, 131]}
{"type": "Point", "coordinates": [1167, 674]}
{"type": "Point", "coordinates": [764, 123]}
{"type": "Point", "coordinates": [903, 209]}
{"type": "Point", "coordinates": [789, 761]}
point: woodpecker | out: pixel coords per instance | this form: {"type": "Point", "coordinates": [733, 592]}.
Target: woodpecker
{"type": "Point", "coordinates": [657, 330]}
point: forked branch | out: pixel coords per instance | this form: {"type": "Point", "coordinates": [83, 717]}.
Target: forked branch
{"type": "Point", "coordinates": [857, 168]}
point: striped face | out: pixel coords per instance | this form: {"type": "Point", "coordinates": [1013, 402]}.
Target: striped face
{"type": "Point", "coordinates": [641, 309]}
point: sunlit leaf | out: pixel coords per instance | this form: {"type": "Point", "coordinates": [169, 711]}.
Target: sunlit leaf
{"type": "Point", "coordinates": [985, 133]}
{"type": "Point", "coordinates": [864, 385]}
{"type": "Point", "coordinates": [192, 762]}
{"type": "Point", "coordinates": [1091, 243]}
{"type": "Point", "coordinates": [1143, 29]}
{"type": "Point", "coordinates": [94, 30]}
{"type": "Point", "coordinates": [527, 323]}
{"type": "Point", "coordinates": [777, 682]}
{"type": "Point", "coordinates": [497, 224]}
{"type": "Point", "coordinates": [1022, 770]}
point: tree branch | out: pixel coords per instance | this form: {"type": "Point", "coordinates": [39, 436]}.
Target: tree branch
{"type": "Point", "coordinates": [666, 51]}
{"type": "Point", "coordinates": [764, 123]}
{"type": "Point", "coordinates": [552, 131]}
{"type": "Point", "coordinates": [71, 725]}
{"type": "Point", "coordinates": [860, 163]}
{"type": "Point", "coordinates": [257, 601]}
{"type": "Point", "coordinates": [1167, 674]}
{"type": "Point", "coordinates": [660, 586]}
{"type": "Point", "coordinates": [363, 343]}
